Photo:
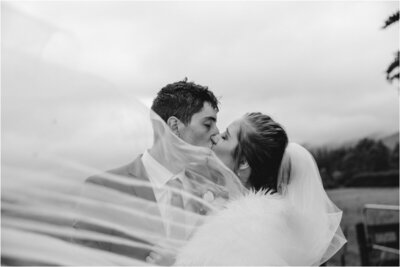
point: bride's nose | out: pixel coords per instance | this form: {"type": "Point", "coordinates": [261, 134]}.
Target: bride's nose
{"type": "Point", "coordinates": [215, 138]}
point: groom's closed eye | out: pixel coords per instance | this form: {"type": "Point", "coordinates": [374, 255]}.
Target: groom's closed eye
{"type": "Point", "coordinates": [209, 122]}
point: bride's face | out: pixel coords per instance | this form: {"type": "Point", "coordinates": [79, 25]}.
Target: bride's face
{"type": "Point", "coordinates": [224, 144]}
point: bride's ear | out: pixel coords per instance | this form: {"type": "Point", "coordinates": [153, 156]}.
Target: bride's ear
{"type": "Point", "coordinates": [244, 171]}
{"type": "Point", "coordinates": [173, 123]}
{"type": "Point", "coordinates": [243, 165]}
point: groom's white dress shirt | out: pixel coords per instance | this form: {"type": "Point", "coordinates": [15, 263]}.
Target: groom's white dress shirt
{"type": "Point", "coordinates": [159, 177]}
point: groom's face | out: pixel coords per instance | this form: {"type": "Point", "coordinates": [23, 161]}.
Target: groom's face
{"type": "Point", "coordinates": [201, 128]}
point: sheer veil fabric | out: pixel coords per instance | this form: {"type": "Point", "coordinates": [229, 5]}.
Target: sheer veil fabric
{"type": "Point", "coordinates": [61, 125]}
{"type": "Point", "coordinates": [301, 186]}
{"type": "Point", "coordinates": [45, 163]}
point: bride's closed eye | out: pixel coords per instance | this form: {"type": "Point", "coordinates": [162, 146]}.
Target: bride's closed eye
{"type": "Point", "coordinates": [226, 135]}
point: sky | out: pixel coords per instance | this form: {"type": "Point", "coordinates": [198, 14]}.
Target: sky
{"type": "Point", "coordinates": [316, 67]}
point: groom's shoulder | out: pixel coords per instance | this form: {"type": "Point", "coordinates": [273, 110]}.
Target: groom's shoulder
{"type": "Point", "coordinates": [108, 177]}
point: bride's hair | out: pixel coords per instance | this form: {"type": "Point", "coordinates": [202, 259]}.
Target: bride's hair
{"type": "Point", "coordinates": [262, 142]}
{"type": "Point", "coordinates": [182, 100]}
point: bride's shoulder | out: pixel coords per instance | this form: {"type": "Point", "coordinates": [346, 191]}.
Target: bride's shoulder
{"type": "Point", "coordinates": [253, 219]}
{"type": "Point", "coordinates": [254, 203]}
{"type": "Point", "coordinates": [256, 199]}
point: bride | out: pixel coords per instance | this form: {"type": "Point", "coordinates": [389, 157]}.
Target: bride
{"type": "Point", "coordinates": [285, 219]}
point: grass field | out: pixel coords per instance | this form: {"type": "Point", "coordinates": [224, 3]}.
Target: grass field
{"type": "Point", "coordinates": [351, 202]}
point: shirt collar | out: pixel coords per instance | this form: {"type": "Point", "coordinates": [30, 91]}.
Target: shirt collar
{"type": "Point", "coordinates": [157, 173]}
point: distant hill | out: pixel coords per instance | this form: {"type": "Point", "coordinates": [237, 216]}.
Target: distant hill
{"type": "Point", "coordinates": [391, 141]}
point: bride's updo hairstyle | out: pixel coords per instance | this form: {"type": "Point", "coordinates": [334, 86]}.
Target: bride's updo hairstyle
{"type": "Point", "coordinates": [262, 142]}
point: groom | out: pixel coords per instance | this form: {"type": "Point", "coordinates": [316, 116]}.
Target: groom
{"type": "Point", "coordinates": [190, 110]}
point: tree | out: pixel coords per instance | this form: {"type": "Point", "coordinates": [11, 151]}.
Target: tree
{"type": "Point", "coordinates": [394, 158]}
{"type": "Point", "coordinates": [392, 19]}
{"type": "Point", "coordinates": [392, 67]}
{"type": "Point", "coordinates": [390, 74]}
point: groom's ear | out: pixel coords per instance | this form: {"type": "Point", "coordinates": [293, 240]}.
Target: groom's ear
{"type": "Point", "coordinates": [173, 123]}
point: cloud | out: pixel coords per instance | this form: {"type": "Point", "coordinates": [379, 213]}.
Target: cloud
{"type": "Point", "coordinates": [317, 67]}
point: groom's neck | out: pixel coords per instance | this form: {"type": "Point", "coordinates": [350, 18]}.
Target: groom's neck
{"type": "Point", "coordinates": [158, 154]}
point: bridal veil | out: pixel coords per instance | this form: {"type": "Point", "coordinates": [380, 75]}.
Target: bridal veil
{"type": "Point", "coordinates": [300, 185]}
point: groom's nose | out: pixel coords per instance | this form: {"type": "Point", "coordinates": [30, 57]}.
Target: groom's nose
{"type": "Point", "coordinates": [215, 130]}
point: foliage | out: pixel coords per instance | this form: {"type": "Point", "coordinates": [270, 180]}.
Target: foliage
{"type": "Point", "coordinates": [368, 157]}
{"type": "Point", "coordinates": [392, 19]}
{"type": "Point", "coordinates": [375, 179]}
{"type": "Point", "coordinates": [392, 67]}
{"type": "Point", "coordinates": [390, 76]}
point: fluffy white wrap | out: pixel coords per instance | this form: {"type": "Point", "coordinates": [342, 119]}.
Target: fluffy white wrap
{"type": "Point", "coordinates": [299, 225]}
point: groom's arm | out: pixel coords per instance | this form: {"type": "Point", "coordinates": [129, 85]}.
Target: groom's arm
{"type": "Point", "coordinates": [81, 225]}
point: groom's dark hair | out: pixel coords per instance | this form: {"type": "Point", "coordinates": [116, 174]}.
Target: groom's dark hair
{"type": "Point", "coordinates": [182, 99]}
